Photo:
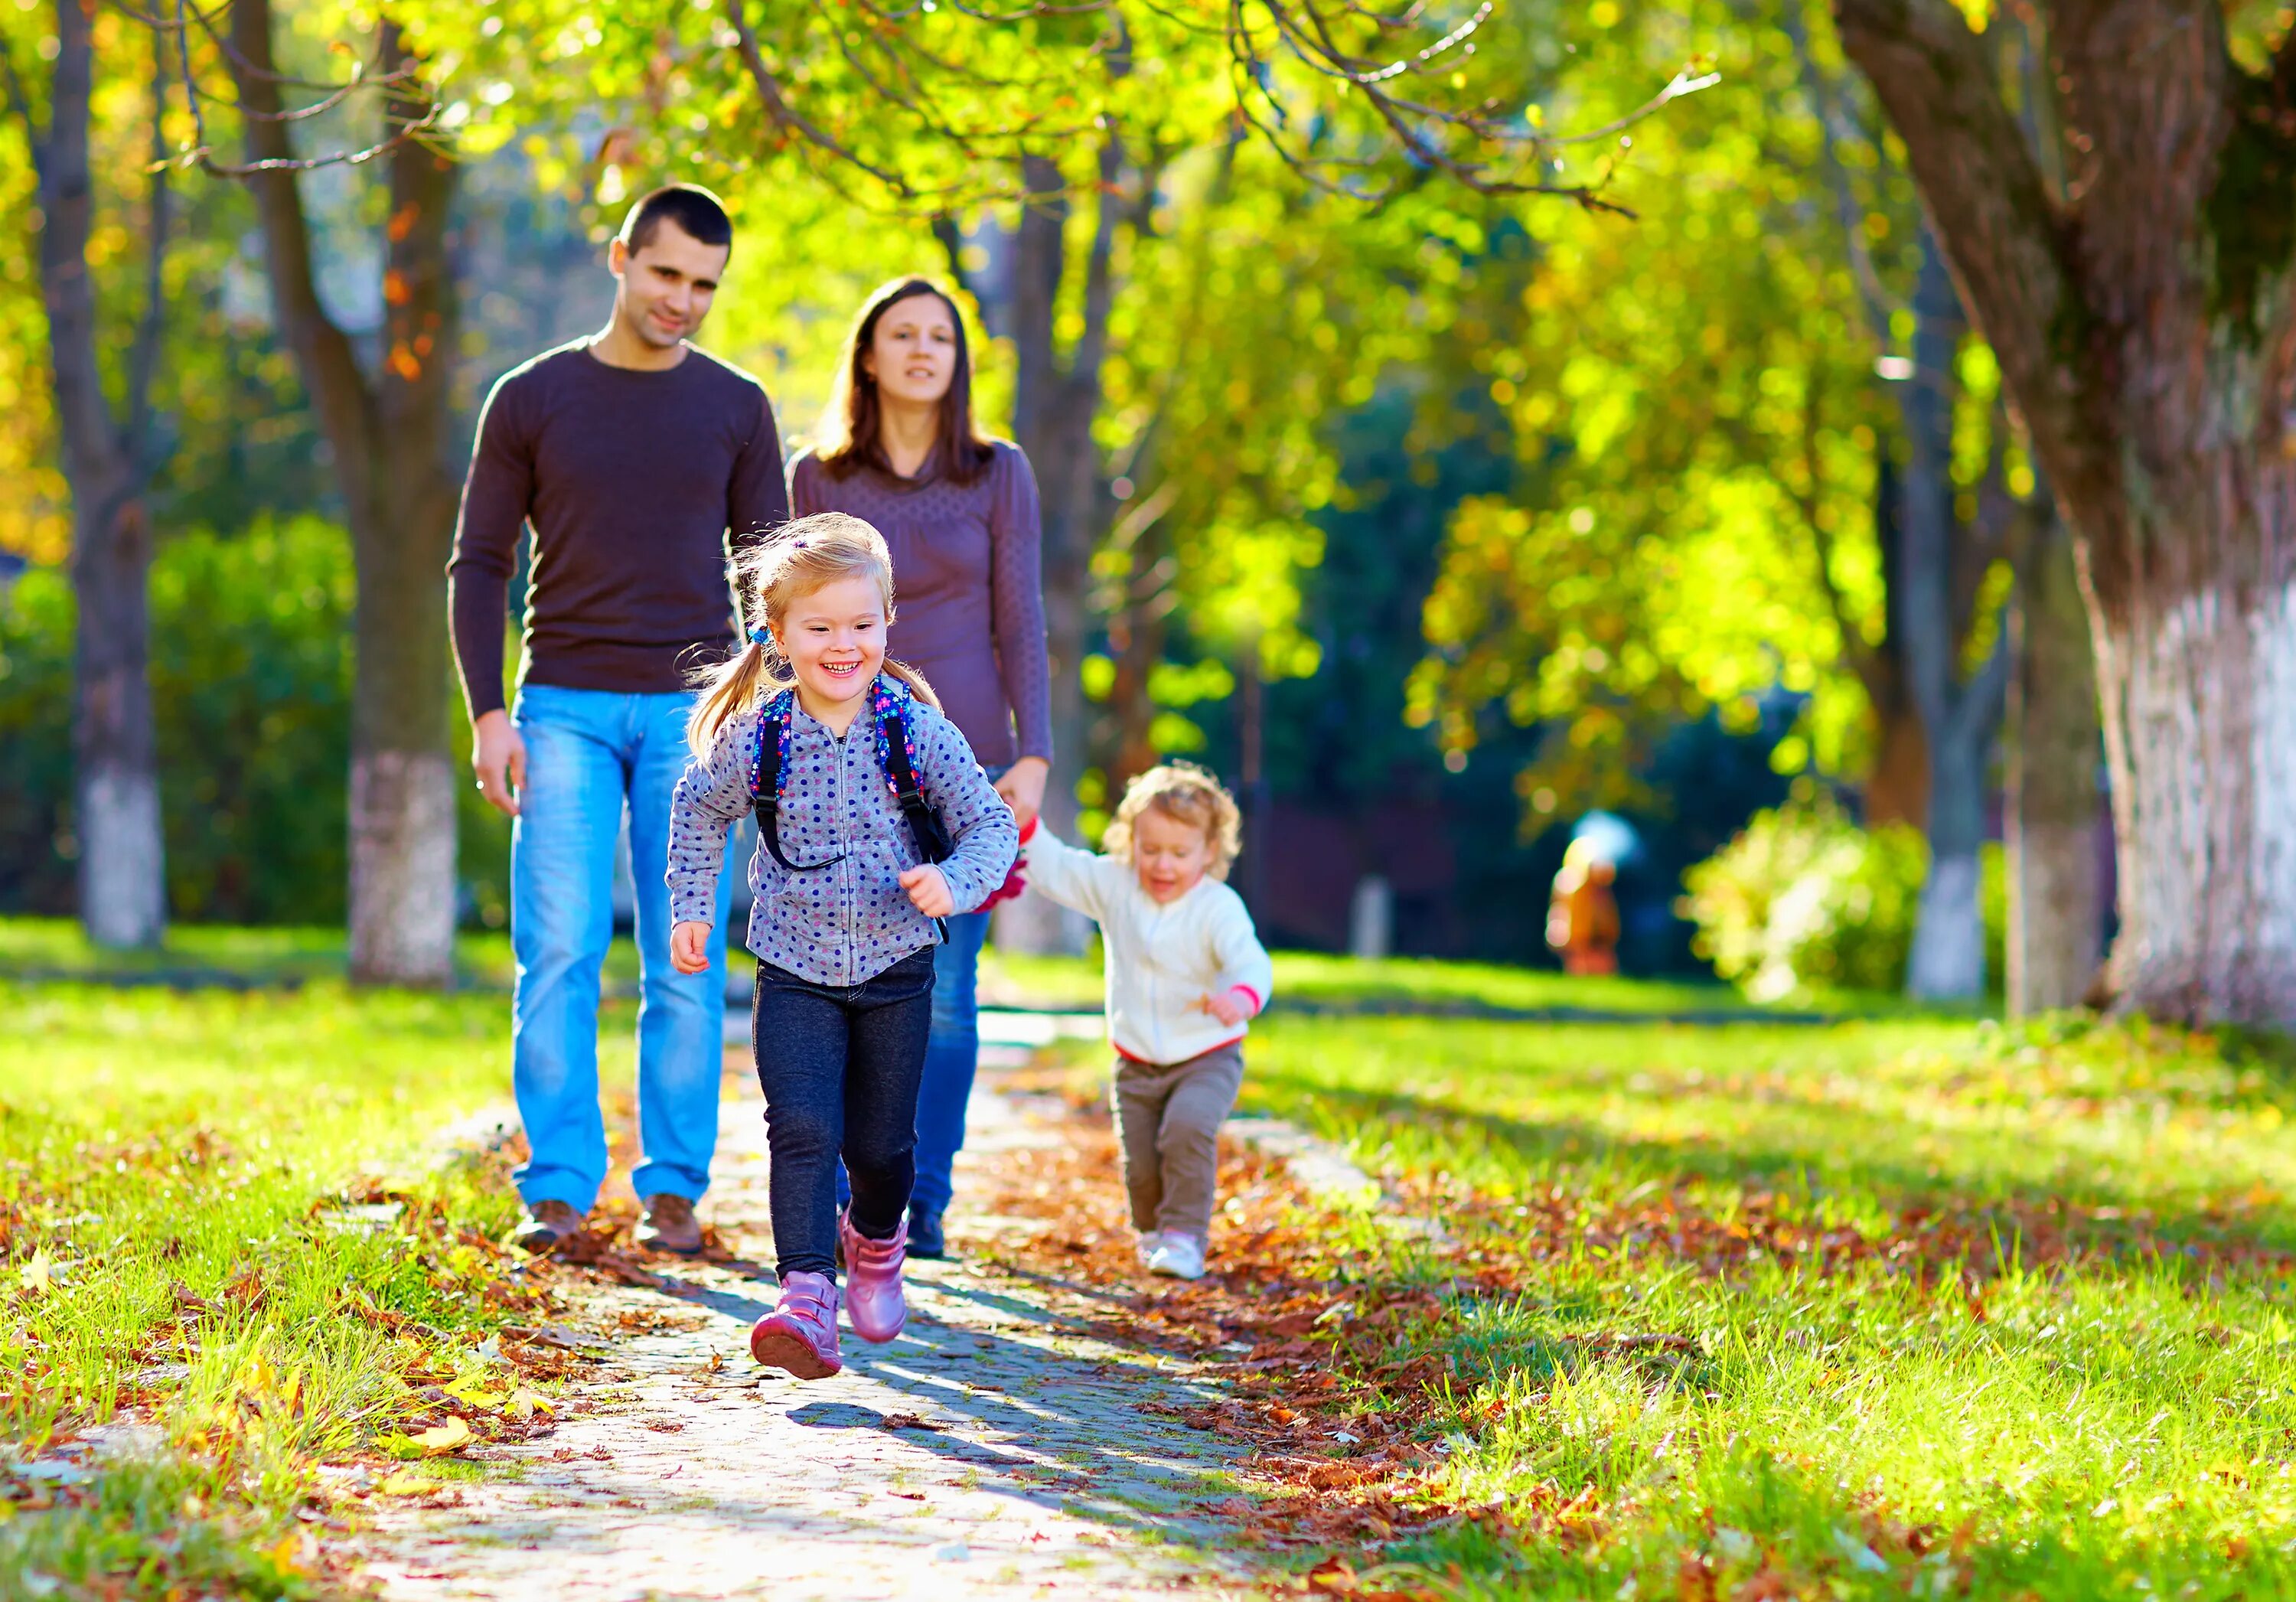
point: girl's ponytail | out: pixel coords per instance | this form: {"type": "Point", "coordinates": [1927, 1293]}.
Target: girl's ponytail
{"type": "Point", "coordinates": [915, 681]}
{"type": "Point", "coordinates": [800, 559]}
{"type": "Point", "coordinates": [727, 692]}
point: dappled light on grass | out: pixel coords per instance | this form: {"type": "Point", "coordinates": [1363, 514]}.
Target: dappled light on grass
{"type": "Point", "coordinates": [192, 1254]}
{"type": "Point", "coordinates": [1909, 1308]}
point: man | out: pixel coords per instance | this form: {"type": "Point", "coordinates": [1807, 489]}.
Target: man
{"type": "Point", "coordinates": [634, 456]}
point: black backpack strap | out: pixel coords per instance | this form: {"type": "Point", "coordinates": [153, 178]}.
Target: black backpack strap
{"type": "Point", "coordinates": [766, 790]}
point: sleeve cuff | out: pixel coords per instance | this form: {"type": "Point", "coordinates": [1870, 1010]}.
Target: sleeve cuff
{"type": "Point", "coordinates": [1251, 997]}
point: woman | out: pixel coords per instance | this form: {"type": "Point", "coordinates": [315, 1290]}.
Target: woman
{"type": "Point", "coordinates": [898, 448]}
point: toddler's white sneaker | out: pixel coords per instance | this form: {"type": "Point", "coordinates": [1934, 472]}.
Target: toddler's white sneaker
{"type": "Point", "coordinates": [1150, 1243]}
{"type": "Point", "coordinates": [1179, 1257]}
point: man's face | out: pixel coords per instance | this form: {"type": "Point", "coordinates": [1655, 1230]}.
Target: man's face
{"type": "Point", "coordinates": [667, 283]}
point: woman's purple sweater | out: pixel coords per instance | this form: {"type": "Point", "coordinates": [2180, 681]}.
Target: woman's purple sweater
{"type": "Point", "coordinates": [968, 575]}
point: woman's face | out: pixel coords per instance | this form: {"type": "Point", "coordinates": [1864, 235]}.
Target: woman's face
{"type": "Point", "coordinates": [913, 351]}
{"type": "Point", "coordinates": [834, 638]}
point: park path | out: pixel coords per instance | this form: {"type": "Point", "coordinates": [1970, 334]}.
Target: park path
{"type": "Point", "coordinates": [999, 1449]}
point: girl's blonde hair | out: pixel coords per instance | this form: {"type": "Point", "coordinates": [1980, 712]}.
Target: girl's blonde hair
{"type": "Point", "coordinates": [800, 558]}
{"type": "Point", "coordinates": [1187, 794]}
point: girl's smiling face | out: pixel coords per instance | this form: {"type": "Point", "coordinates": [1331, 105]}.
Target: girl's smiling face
{"type": "Point", "coordinates": [835, 640]}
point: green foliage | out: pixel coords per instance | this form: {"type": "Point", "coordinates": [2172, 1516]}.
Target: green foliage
{"type": "Point", "coordinates": [36, 700]}
{"type": "Point", "coordinates": [1698, 390]}
{"type": "Point", "coordinates": [252, 661]}
{"type": "Point", "coordinates": [252, 656]}
{"type": "Point", "coordinates": [1804, 899]}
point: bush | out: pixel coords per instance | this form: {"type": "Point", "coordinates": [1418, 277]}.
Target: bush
{"type": "Point", "coordinates": [251, 664]}
{"type": "Point", "coordinates": [252, 661]}
{"type": "Point", "coordinates": [1803, 898]}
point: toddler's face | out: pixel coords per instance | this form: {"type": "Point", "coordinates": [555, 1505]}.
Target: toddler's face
{"type": "Point", "coordinates": [834, 638]}
{"type": "Point", "coordinates": [1171, 856]}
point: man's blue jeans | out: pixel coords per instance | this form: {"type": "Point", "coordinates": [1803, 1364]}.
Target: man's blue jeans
{"type": "Point", "coordinates": [587, 754]}
{"type": "Point", "coordinates": [951, 1055]}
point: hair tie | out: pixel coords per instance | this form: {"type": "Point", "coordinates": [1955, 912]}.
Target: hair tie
{"type": "Point", "coordinates": [760, 636]}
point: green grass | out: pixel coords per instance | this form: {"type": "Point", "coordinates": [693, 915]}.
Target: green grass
{"type": "Point", "coordinates": [45, 949]}
{"type": "Point", "coordinates": [166, 1160]}
{"type": "Point", "coordinates": [1313, 979]}
{"type": "Point", "coordinates": [1953, 1308]}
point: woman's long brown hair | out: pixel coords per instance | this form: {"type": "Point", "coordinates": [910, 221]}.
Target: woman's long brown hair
{"type": "Point", "coordinates": [852, 430]}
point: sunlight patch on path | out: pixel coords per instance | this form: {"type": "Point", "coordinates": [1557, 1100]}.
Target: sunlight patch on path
{"type": "Point", "coordinates": [996, 1450]}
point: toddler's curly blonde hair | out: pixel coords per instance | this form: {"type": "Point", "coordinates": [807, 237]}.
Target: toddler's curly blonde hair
{"type": "Point", "coordinates": [1187, 794]}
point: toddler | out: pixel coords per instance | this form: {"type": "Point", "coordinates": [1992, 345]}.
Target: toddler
{"type": "Point", "coordinates": [873, 824]}
{"type": "Point", "coordinates": [1185, 975]}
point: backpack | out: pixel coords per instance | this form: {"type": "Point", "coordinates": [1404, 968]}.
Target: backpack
{"type": "Point", "coordinates": [889, 712]}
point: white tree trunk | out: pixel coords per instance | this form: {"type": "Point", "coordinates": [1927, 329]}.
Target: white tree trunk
{"type": "Point", "coordinates": [1948, 956]}
{"type": "Point", "coordinates": [122, 859]}
{"type": "Point", "coordinates": [2057, 911]}
{"type": "Point", "coordinates": [2200, 721]}
{"type": "Point", "coordinates": [402, 881]}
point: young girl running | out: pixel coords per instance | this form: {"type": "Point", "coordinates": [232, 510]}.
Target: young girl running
{"type": "Point", "coordinates": [1185, 975]}
{"type": "Point", "coordinates": [859, 782]}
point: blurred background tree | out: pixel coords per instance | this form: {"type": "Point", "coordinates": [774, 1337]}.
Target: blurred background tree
{"type": "Point", "coordinates": [1435, 519]}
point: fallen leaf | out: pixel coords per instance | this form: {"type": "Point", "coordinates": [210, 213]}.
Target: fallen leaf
{"type": "Point", "coordinates": [450, 1436]}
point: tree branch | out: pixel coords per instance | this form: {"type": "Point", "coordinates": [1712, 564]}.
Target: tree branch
{"type": "Point", "coordinates": [951, 239]}
{"type": "Point", "coordinates": [2009, 247]}
{"type": "Point", "coordinates": [339, 390]}
{"type": "Point", "coordinates": [144, 353]}
{"type": "Point", "coordinates": [1873, 294]}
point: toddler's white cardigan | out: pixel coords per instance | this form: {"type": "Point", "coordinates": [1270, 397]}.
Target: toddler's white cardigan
{"type": "Point", "coordinates": [1162, 958]}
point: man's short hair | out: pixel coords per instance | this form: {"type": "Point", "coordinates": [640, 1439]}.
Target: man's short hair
{"type": "Point", "coordinates": [699, 215]}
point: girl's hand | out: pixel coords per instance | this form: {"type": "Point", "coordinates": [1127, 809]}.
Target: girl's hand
{"type": "Point", "coordinates": [928, 892]}
{"type": "Point", "coordinates": [1230, 1006]}
{"type": "Point", "coordinates": [1023, 788]}
{"type": "Point", "coordinates": [689, 947]}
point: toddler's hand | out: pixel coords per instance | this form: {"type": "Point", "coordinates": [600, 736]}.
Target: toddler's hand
{"type": "Point", "coordinates": [1229, 1006]}
{"type": "Point", "coordinates": [689, 947]}
{"type": "Point", "coordinates": [928, 891]}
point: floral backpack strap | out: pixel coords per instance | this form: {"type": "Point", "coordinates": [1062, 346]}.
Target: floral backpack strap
{"type": "Point", "coordinates": [776, 728]}
{"type": "Point", "coordinates": [897, 753]}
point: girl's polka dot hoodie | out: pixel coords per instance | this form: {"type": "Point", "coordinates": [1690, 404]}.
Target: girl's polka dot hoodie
{"type": "Point", "coordinates": [847, 921]}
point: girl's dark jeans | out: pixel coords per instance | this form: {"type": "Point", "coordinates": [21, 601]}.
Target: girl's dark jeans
{"type": "Point", "coordinates": [840, 1066]}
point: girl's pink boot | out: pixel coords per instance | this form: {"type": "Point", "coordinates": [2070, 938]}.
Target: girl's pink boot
{"type": "Point", "coordinates": [800, 1334]}
{"type": "Point", "coordinates": [873, 1280]}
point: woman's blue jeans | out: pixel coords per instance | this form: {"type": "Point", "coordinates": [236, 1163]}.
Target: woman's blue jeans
{"type": "Point", "coordinates": [588, 754]}
{"type": "Point", "coordinates": [951, 1055]}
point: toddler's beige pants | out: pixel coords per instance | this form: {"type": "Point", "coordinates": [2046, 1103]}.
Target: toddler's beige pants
{"type": "Point", "coordinates": [1168, 1118]}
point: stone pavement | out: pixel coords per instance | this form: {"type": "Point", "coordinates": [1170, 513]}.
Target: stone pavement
{"type": "Point", "coordinates": [997, 1450]}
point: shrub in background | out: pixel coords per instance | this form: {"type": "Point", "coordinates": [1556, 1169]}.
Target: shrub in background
{"type": "Point", "coordinates": [251, 668]}
{"type": "Point", "coordinates": [37, 849]}
{"type": "Point", "coordinates": [251, 664]}
{"type": "Point", "coordinates": [1804, 899]}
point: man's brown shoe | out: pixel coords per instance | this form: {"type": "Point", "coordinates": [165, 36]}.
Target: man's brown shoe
{"type": "Point", "coordinates": [670, 1226]}
{"type": "Point", "coordinates": [545, 1224]}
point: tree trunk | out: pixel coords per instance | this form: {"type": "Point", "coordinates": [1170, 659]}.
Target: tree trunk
{"type": "Point", "coordinates": [2145, 323]}
{"type": "Point", "coordinates": [402, 787]}
{"type": "Point", "coordinates": [123, 884]}
{"type": "Point", "coordinates": [2055, 897]}
{"type": "Point", "coordinates": [388, 435]}
{"type": "Point", "coordinates": [1958, 717]}
{"type": "Point", "coordinates": [1055, 404]}
{"type": "Point", "coordinates": [122, 858]}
